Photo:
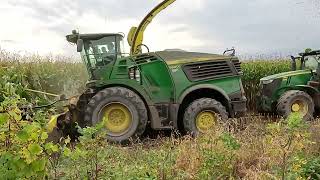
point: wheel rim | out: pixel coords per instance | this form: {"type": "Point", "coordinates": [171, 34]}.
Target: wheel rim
{"type": "Point", "coordinates": [206, 120]}
{"type": "Point", "coordinates": [300, 106]}
{"type": "Point", "coordinates": [117, 118]}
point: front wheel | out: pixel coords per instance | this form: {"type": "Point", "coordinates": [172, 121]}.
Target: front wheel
{"type": "Point", "coordinates": [296, 101]}
{"type": "Point", "coordinates": [122, 112]}
{"type": "Point", "coordinates": [202, 115]}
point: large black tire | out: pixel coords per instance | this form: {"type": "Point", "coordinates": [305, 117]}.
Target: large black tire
{"type": "Point", "coordinates": [289, 98]}
{"type": "Point", "coordinates": [126, 97]}
{"type": "Point", "coordinates": [202, 105]}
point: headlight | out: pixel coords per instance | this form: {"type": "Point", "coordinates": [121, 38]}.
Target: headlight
{"type": "Point", "coordinates": [267, 81]}
{"type": "Point", "coordinates": [134, 73]}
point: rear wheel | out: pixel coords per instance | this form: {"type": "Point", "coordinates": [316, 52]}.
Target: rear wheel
{"type": "Point", "coordinates": [296, 101]}
{"type": "Point", "coordinates": [121, 110]}
{"type": "Point", "coordinates": [202, 115]}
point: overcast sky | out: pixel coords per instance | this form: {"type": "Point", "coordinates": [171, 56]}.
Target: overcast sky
{"type": "Point", "coordinates": [251, 26]}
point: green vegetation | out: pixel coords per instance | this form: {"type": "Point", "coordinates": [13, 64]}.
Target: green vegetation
{"type": "Point", "coordinates": [253, 71]}
{"type": "Point", "coordinates": [260, 149]}
{"type": "Point", "coordinates": [56, 75]}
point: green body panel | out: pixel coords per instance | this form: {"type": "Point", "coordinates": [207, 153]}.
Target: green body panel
{"type": "Point", "coordinates": [292, 80]}
{"type": "Point", "coordinates": [295, 74]}
{"type": "Point", "coordinates": [225, 85]}
{"type": "Point", "coordinates": [158, 81]}
{"type": "Point", "coordinates": [162, 82]}
{"type": "Point", "coordinates": [156, 85]}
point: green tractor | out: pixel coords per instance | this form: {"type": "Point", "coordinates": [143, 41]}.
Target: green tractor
{"type": "Point", "coordinates": [294, 91]}
{"type": "Point", "coordinates": [161, 90]}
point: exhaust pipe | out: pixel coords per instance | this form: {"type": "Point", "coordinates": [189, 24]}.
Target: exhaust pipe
{"type": "Point", "coordinates": [293, 63]}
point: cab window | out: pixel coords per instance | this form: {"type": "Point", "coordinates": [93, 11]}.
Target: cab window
{"type": "Point", "coordinates": [311, 62]}
{"type": "Point", "coordinates": [103, 51]}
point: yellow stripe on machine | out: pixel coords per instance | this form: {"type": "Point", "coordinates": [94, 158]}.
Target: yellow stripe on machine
{"type": "Point", "coordinates": [53, 122]}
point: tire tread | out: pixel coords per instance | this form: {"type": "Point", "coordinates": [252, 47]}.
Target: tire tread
{"type": "Point", "coordinates": [122, 92]}
{"type": "Point", "coordinates": [198, 105]}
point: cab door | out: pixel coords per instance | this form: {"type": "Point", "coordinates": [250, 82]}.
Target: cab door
{"type": "Point", "coordinates": [156, 79]}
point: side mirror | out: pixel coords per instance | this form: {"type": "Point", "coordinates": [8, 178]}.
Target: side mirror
{"type": "Point", "coordinates": [79, 45]}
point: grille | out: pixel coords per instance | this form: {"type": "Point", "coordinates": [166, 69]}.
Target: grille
{"type": "Point", "coordinates": [207, 70]}
{"type": "Point", "coordinates": [144, 58]}
{"type": "Point", "coordinates": [237, 65]}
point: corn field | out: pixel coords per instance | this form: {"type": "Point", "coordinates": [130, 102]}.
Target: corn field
{"type": "Point", "coordinates": [253, 71]}
{"type": "Point", "coordinates": [287, 149]}
{"type": "Point", "coordinates": [57, 75]}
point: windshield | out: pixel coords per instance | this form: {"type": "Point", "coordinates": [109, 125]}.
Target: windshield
{"type": "Point", "coordinates": [103, 51]}
{"type": "Point", "coordinates": [311, 62]}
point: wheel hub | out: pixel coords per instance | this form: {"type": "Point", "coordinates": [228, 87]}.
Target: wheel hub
{"type": "Point", "coordinates": [295, 107]}
{"type": "Point", "coordinates": [299, 106]}
{"type": "Point", "coordinates": [117, 118]}
{"type": "Point", "coordinates": [205, 120]}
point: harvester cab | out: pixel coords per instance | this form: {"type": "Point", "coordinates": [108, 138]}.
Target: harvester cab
{"type": "Point", "coordinates": [293, 91]}
{"type": "Point", "coordinates": [98, 51]}
{"type": "Point", "coordinates": [189, 91]}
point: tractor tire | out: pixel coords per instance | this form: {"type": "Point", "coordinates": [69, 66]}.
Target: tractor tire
{"type": "Point", "coordinates": [123, 111]}
{"type": "Point", "coordinates": [295, 101]}
{"type": "Point", "coordinates": [203, 114]}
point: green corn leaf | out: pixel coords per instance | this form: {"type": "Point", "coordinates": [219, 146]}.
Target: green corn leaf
{"type": "Point", "coordinates": [23, 135]}
{"type": "Point", "coordinates": [35, 149]}
{"type": "Point", "coordinates": [39, 165]}
{"type": "Point", "coordinates": [3, 118]}
{"type": "Point", "coordinates": [44, 135]}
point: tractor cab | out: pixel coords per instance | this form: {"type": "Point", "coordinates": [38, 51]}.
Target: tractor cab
{"type": "Point", "coordinates": [98, 51]}
{"type": "Point", "coordinates": [308, 60]}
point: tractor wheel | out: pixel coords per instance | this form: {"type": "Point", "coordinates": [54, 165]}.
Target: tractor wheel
{"type": "Point", "coordinates": [296, 101]}
{"type": "Point", "coordinates": [122, 111]}
{"type": "Point", "coordinates": [202, 115]}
